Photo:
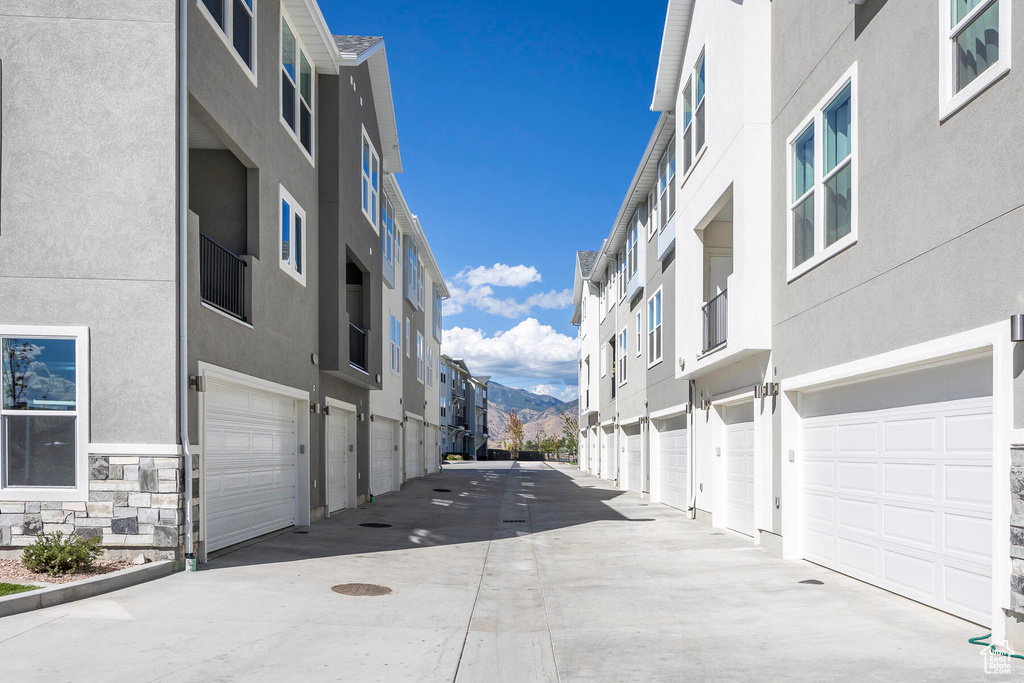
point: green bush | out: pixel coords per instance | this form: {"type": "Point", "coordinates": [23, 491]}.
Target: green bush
{"type": "Point", "coordinates": [57, 554]}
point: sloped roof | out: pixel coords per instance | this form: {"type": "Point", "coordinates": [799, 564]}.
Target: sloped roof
{"type": "Point", "coordinates": [353, 47]}
{"type": "Point", "coordinates": [587, 260]}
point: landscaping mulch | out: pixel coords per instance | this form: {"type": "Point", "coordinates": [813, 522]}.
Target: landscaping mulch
{"type": "Point", "coordinates": [13, 571]}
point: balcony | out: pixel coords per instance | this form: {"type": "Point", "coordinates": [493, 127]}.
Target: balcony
{"type": "Point", "coordinates": [357, 347]}
{"type": "Point", "coordinates": [716, 322]}
{"type": "Point", "coordinates": [222, 278]}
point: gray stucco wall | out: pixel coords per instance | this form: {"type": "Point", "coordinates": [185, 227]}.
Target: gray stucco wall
{"type": "Point", "coordinates": [88, 197]}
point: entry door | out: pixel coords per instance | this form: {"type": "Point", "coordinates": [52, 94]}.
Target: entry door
{"type": "Point", "coordinates": [739, 453]}
{"type": "Point", "coordinates": [340, 449]}
{"type": "Point", "coordinates": [673, 478]}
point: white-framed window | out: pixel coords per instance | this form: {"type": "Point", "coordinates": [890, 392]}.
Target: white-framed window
{"type": "Point", "coordinates": [438, 310]}
{"type": "Point", "coordinates": [293, 237]}
{"type": "Point", "coordinates": [693, 117]}
{"type": "Point", "coordinates": [419, 357]}
{"type": "Point", "coordinates": [975, 40]}
{"type": "Point", "coordinates": [667, 184]}
{"type": "Point", "coordinates": [444, 406]}
{"type": "Point", "coordinates": [430, 366]}
{"type": "Point", "coordinates": [622, 275]}
{"type": "Point", "coordinates": [654, 350]}
{"type": "Point", "coordinates": [408, 337]}
{"type": "Point", "coordinates": [420, 289]}
{"type": "Point", "coordinates": [297, 83]}
{"type": "Point", "coordinates": [369, 173]}
{"type": "Point", "coordinates": [396, 345]}
{"type": "Point", "coordinates": [822, 173]}
{"type": "Point", "coordinates": [44, 413]}
{"type": "Point", "coordinates": [650, 216]}
{"type": "Point", "coordinates": [603, 360]}
{"type": "Point", "coordinates": [632, 246]}
{"type": "Point", "coordinates": [639, 331]}
{"type": "Point", "coordinates": [235, 21]}
{"type": "Point", "coordinates": [620, 367]}
{"type": "Point", "coordinates": [414, 274]}
{"type": "Point", "coordinates": [389, 233]}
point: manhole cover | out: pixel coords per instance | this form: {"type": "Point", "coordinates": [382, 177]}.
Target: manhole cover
{"type": "Point", "coordinates": [375, 525]}
{"type": "Point", "coordinates": [300, 532]}
{"type": "Point", "coordinates": [513, 521]}
{"type": "Point", "coordinates": [813, 582]}
{"type": "Point", "coordinates": [368, 589]}
{"type": "Point", "coordinates": [443, 490]}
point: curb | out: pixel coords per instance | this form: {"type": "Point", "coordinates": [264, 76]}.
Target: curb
{"type": "Point", "coordinates": [86, 588]}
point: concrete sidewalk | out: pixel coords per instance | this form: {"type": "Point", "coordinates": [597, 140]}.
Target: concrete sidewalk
{"type": "Point", "coordinates": [528, 573]}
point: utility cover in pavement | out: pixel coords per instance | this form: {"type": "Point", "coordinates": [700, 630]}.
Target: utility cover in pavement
{"type": "Point", "coordinates": [361, 589]}
{"type": "Point", "coordinates": [814, 582]}
{"type": "Point", "coordinates": [375, 525]}
{"type": "Point", "coordinates": [443, 490]}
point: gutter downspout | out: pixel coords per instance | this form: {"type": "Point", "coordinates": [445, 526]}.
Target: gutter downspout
{"type": "Point", "coordinates": [183, 385]}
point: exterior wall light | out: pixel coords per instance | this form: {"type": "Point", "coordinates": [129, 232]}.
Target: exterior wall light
{"type": "Point", "coordinates": [1017, 327]}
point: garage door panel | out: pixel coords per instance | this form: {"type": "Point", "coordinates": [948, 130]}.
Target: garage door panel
{"type": "Point", "coordinates": [910, 525]}
{"type": "Point", "coordinates": [634, 453]}
{"type": "Point", "coordinates": [968, 484]}
{"type": "Point", "coordinates": [917, 481]}
{"type": "Point", "coordinates": [857, 515]}
{"type": "Point", "coordinates": [967, 589]}
{"type": "Point", "coordinates": [969, 434]}
{"type": "Point", "coordinates": [857, 477]}
{"type": "Point", "coordinates": [862, 559]}
{"type": "Point", "coordinates": [672, 464]}
{"type": "Point", "coordinates": [819, 546]}
{"type": "Point", "coordinates": [909, 436]}
{"type": "Point", "coordinates": [968, 535]}
{"type": "Point", "coordinates": [820, 507]}
{"type": "Point", "coordinates": [818, 440]}
{"type": "Point", "coordinates": [916, 576]}
{"type": "Point", "coordinates": [740, 469]}
{"type": "Point", "coordinates": [819, 474]}
{"type": "Point", "coordinates": [382, 456]}
{"type": "Point", "coordinates": [857, 438]}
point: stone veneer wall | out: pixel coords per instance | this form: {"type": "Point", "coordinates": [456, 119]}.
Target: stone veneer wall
{"type": "Point", "coordinates": [135, 506]}
{"type": "Point", "coordinates": [1017, 529]}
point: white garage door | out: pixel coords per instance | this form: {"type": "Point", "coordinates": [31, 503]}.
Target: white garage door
{"type": "Point", "coordinates": [673, 477]}
{"type": "Point", "coordinates": [249, 444]}
{"type": "Point", "coordinates": [593, 465]}
{"type": "Point", "coordinates": [584, 450]}
{"type": "Point", "coordinates": [382, 456]}
{"type": "Point", "coordinates": [413, 449]}
{"type": "Point", "coordinates": [898, 491]}
{"type": "Point", "coordinates": [338, 455]}
{"type": "Point", "coordinates": [609, 463]}
{"type": "Point", "coordinates": [430, 449]}
{"type": "Point", "coordinates": [739, 448]}
{"type": "Point", "coordinates": [633, 466]}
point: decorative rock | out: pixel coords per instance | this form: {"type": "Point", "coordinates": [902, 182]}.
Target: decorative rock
{"type": "Point", "coordinates": [124, 525]}
{"type": "Point", "coordinates": [117, 471]}
{"type": "Point", "coordinates": [90, 532]}
{"type": "Point", "coordinates": [120, 499]}
{"type": "Point", "coordinates": [131, 472]}
{"type": "Point", "coordinates": [139, 500]}
{"type": "Point", "coordinates": [12, 520]}
{"type": "Point", "coordinates": [165, 537]}
{"type": "Point", "coordinates": [140, 560]}
{"type": "Point", "coordinates": [100, 509]}
{"type": "Point", "coordinates": [125, 512]}
{"type": "Point", "coordinates": [51, 505]}
{"type": "Point", "coordinates": [148, 515]}
{"type": "Point", "coordinates": [32, 508]}
{"type": "Point", "coordinates": [12, 508]}
{"type": "Point", "coordinates": [149, 479]}
{"type": "Point", "coordinates": [165, 500]}
{"type": "Point", "coordinates": [77, 506]}
{"type": "Point", "coordinates": [63, 528]}
{"type": "Point", "coordinates": [99, 468]}
{"type": "Point", "coordinates": [32, 525]}
{"type": "Point", "coordinates": [55, 516]}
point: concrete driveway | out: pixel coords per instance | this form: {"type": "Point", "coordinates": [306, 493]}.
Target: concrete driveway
{"type": "Point", "coordinates": [520, 573]}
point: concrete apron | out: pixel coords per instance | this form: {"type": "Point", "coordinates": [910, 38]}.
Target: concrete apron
{"type": "Point", "coordinates": [508, 637]}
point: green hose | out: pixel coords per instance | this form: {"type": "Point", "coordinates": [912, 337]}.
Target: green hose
{"type": "Point", "coordinates": [992, 648]}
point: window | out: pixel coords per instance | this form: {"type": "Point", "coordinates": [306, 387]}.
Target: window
{"type": "Point", "coordinates": [620, 368]}
{"type": "Point", "coordinates": [437, 314]}
{"type": "Point", "coordinates": [604, 364]}
{"type": "Point", "coordinates": [430, 367]}
{"type": "Point", "coordinates": [419, 356]}
{"type": "Point", "coordinates": [639, 331]}
{"type": "Point", "coordinates": [823, 180]}
{"type": "Point", "coordinates": [444, 406]}
{"type": "Point", "coordinates": [693, 117]}
{"type": "Point", "coordinates": [632, 250]}
{"type": "Point", "coordinates": [396, 345]}
{"type": "Point", "coordinates": [975, 35]}
{"type": "Point", "coordinates": [293, 237]}
{"type": "Point", "coordinates": [414, 275]}
{"type": "Point", "coordinates": [649, 217]}
{"type": "Point", "coordinates": [43, 412]}
{"type": "Point", "coordinates": [296, 88]}
{"type": "Point", "coordinates": [408, 345]}
{"type": "Point", "coordinates": [622, 275]}
{"type": "Point", "coordinates": [654, 329]}
{"type": "Point", "coordinates": [236, 21]}
{"type": "Point", "coordinates": [388, 235]}
{"type": "Point", "coordinates": [667, 184]}
{"type": "Point", "coordinates": [420, 289]}
{"type": "Point", "coordinates": [369, 170]}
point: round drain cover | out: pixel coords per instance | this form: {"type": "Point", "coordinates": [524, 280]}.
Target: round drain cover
{"type": "Point", "coordinates": [813, 582]}
{"type": "Point", "coordinates": [375, 525]}
{"type": "Point", "coordinates": [443, 490]}
{"type": "Point", "coordinates": [367, 589]}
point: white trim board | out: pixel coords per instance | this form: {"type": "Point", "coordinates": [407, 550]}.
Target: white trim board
{"type": "Point", "coordinates": [146, 449]}
{"type": "Point", "coordinates": [678, 409]}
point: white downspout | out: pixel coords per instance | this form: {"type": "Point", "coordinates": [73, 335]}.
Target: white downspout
{"type": "Point", "coordinates": [183, 386]}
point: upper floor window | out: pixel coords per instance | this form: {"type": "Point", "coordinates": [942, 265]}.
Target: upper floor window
{"type": "Point", "coordinates": [369, 170]}
{"type": "Point", "coordinates": [437, 315]}
{"type": "Point", "coordinates": [43, 413]}
{"type": "Point", "coordinates": [667, 184]}
{"type": "Point", "coordinates": [296, 88]}
{"type": "Point", "coordinates": [620, 366]}
{"type": "Point", "coordinates": [639, 331]}
{"type": "Point", "coordinates": [408, 344]}
{"type": "Point", "coordinates": [622, 275]}
{"type": "Point", "coordinates": [396, 345]}
{"type": "Point", "coordinates": [976, 48]}
{"type": "Point", "coordinates": [293, 237]}
{"type": "Point", "coordinates": [693, 115]}
{"type": "Point", "coordinates": [430, 366]}
{"type": "Point", "coordinates": [236, 21]}
{"type": "Point", "coordinates": [632, 250]}
{"type": "Point", "coordinates": [388, 237]}
{"type": "Point", "coordinates": [419, 356]}
{"type": "Point", "coordinates": [823, 179]}
{"type": "Point", "coordinates": [651, 211]}
{"type": "Point", "coordinates": [654, 328]}
{"type": "Point", "coordinates": [420, 289]}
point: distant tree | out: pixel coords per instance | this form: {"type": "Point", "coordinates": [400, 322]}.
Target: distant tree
{"type": "Point", "coordinates": [513, 433]}
{"type": "Point", "coordinates": [571, 431]}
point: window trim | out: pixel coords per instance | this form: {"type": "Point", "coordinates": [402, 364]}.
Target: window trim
{"type": "Point", "coordinates": [229, 8]}
{"type": "Point", "coordinates": [371, 215]}
{"type": "Point", "coordinates": [408, 338]}
{"type": "Point", "coordinates": [656, 329]}
{"type": "Point", "coordinates": [296, 208]}
{"type": "Point", "coordinates": [80, 492]}
{"type": "Point", "coordinates": [388, 229]}
{"type": "Point", "coordinates": [691, 82]}
{"type": "Point", "coordinates": [951, 102]}
{"type": "Point", "coordinates": [815, 119]}
{"type": "Point", "coordinates": [419, 357]}
{"type": "Point", "coordinates": [396, 346]}
{"type": "Point", "coordinates": [300, 50]}
{"type": "Point", "coordinates": [623, 356]}
{"type": "Point", "coordinates": [639, 332]}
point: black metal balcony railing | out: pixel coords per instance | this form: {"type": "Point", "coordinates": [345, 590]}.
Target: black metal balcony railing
{"type": "Point", "coordinates": [586, 403]}
{"type": "Point", "coordinates": [716, 321]}
{"type": "Point", "coordinates": [221, 278]}
{"type": "Point", "coordinates": [357, 347]}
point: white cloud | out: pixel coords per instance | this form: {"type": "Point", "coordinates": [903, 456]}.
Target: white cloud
{"type": "Point", "coordinates": [563, 392]}
{"type": "Point", "coordinates": [499, 275]}
{"type": "Point", "coordinates": [482, 297]}
{"type": "Point", "coordinates": [527, 350]}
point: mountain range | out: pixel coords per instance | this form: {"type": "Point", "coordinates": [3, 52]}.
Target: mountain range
{"type": "Point", "coordinates": [538, 412]}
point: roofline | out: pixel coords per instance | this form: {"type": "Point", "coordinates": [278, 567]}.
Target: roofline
{"type": "Point", "coordinates": [416, 228]}
{"type": "Point", "coordinates": [670, 57]}
{"type": "Point", "coordinates": [355, 59]}
{"type": "Point", "coordinates": [384, 103]}
{"type": "Point", "coordinates": [656, 144]}
{"type": "Point", "coordinates": [324, 38]}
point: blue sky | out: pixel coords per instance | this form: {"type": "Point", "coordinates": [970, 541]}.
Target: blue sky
{"type": "Point", "coordinates": [520, 127]}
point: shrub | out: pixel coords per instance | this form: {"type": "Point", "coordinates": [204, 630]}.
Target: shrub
{"type": "Point", "coordinates": [57, 554]}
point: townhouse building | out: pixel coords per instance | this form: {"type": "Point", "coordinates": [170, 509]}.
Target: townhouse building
{"type": "Point", "coordinates": [227, 392]}
{"type": "Point", "coordinates": [844, 386]}
{"type": "Point", "coordinates": [464, 410]}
